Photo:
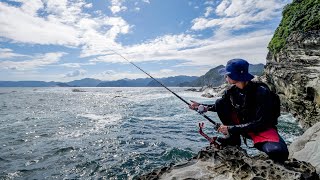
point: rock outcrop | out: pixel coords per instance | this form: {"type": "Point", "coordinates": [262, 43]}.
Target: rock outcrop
{"type": "Point", "coordinates": [234, 163]}
{"type": "Point", "coordinates": [294, 73]}
{"type": "Point", "coordinates": [307, 147]}
{"type": "Point", "coordinates": [293, 61]}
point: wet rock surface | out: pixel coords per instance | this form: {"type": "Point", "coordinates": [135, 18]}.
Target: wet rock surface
{"type": "Point", "coordinates": [234, 163]}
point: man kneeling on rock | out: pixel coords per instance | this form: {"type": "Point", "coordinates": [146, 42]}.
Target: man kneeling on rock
{"type": "Point", "coordinates": [247, 109]}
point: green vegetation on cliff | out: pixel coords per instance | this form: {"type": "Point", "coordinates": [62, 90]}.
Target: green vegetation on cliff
{"type": "Point", "coordinates": [300, 15]}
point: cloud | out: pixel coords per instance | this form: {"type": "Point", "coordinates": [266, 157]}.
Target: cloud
{"type": "Point", "coordinates": [76, 73]}
{"type": "Point", "coordinates": [208, 11]}
{"type": "Point", "coordinates": [116, 6]}
{"type": "Point", "coordinates": [88, 5]}
{"type": "Point", "coordinates": [239, 14]}
{"type": "Point", "coordinates": [20, 25]}
{"type": "Point", "coordinates": [34, 63]}
{"type": "Point", "coordinates": [59, 23]}
{"type": "Point", "coordinates": [166, 70]}
{"type": "Point", "coordinates": [214, 51]}
{"type": "Point", "coordinates": [146, 1]}
{"type": "Point", "coordinates": [222, 7]}
{"type": "Point", "coordinates": [75, 65]}
{"type": "Point", "coordinates": [8, 53]}
{"type": "Point", "coordinates": [137, 9]}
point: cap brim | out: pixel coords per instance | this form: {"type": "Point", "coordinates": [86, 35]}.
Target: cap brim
{"type": "Point", "coordinates": [245, 77]}
{"type": "Point", "coordinates": [223, 71]}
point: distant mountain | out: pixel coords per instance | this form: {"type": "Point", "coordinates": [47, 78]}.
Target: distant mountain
{"type": "Point", "coordinates": [213, 77]}
{"type": "Point", "coordinates": [63, 85]}
{"type": "Point", "coordinates": [173, 81]}
{"type": "Point", "coordinates": [141, 82]}
{"type": "Point", "coordinates": [256, 69]}
{"type": "Point", "coordinates": [27, 84]}
{"type": "Point", "coordinates": [148, 82]}
{"type": "Point", "coordinates": [86, 82]}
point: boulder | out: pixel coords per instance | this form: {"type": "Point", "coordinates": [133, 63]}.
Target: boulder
{"type": "Point", "coordinates": [307, 147]}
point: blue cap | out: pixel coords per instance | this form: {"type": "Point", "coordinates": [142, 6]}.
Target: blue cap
{"type": "Point", "coordinates": [237, 69]}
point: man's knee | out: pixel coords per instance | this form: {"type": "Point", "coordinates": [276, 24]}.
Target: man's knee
{"type": "Point", "coordinates": [277, 151]}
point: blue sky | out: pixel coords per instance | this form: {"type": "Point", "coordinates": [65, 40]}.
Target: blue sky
{"type": "Point", "coordinates": [64, 40]}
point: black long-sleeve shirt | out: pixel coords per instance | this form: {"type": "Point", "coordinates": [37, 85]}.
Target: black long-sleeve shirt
{"type": "Point", "coordinates": [251, 104]}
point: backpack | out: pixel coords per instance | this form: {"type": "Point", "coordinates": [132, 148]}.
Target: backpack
{"type": "Point", "coordinates": [274, 103]}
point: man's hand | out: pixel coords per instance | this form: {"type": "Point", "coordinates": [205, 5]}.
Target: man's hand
{"type": "Point", "coordinates": [194, 105]}
{"type": "Point", "coordinates": [223, 129]}
{"type": "Point", "coordinates": [198, 107]}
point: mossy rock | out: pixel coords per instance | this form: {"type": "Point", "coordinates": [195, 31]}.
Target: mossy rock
{"type": "Point", "coordinates": [300, 15]}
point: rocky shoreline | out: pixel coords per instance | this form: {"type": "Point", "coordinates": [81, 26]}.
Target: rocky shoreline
{"type": "Point", "coordinates": [233, 163]}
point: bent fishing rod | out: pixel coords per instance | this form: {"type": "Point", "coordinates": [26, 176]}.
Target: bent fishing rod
{"type": "Point", "coordinates": [202, 114]}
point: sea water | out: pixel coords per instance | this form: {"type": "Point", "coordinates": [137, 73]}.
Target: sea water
{"type": "Point", "coordinates": [107, 133]}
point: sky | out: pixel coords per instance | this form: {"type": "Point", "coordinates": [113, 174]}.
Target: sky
{"type": "Point", "coordinates": [65, 40]}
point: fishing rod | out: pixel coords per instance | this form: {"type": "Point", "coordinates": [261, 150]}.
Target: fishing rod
{"type": "Point", "coordinates": [202, 114]}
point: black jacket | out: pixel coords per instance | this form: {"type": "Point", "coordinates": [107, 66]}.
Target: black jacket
{"type": "Point", "coordinates": [251, 105]}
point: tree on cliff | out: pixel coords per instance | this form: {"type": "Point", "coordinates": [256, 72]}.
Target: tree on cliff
{"type": "Point", "coordinates": [302, 15]}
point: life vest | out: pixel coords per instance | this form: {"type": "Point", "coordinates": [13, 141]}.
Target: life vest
{"type": "Point", "coordinates": [270, 134]}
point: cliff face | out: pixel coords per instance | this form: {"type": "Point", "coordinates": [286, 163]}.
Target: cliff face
{"type": "Point", "coordinates": [293, 61]}
{"type": "Point", "coordinates": [294, 73]}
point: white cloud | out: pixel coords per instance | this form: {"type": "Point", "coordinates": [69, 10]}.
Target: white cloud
{"type": "Point", "coordinates": [65, 24]}
{"type": "Point", "coordinates": [239, 14]}
{"type": "Point", "coordinates": [146, 1]}
{"type": "Point", "coordinates": [137, 9]}
{"type": "Point", "coordinates": [76, 65]}
{"type": "Point", "coordinates": [222, 7]}
{"type": "Point", "coordinates": [31, 7]}
{"type": "Point", "coordinates": [215, 51]}
{"type": "Point", "coordinates": [116, 6]}
{"type": "Point", "coordinates": [34, 63]}
{"type": "Point", "coordinates": [166, 70]}
{"type": "Point", "coordinates": [208, 11]}
{"type": "Point", "coordinates": [20, 26]}
{"type": "Point", "coordinates": [8, 53]}
{"type": "Point", "coordinates": [76, 73]}
{"type": "Point", "coordinates": [88, 5]}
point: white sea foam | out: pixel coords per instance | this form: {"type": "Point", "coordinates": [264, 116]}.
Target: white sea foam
{"type": "Point", "coordinates": [102, 120]}
{"type": "Point", "coordinates": [287, 117]}
{"type": "Point", "coordinates": [155, 118]}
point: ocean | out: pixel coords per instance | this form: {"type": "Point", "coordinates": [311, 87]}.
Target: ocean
{"type": "Point", "coordinates": [101, 133]}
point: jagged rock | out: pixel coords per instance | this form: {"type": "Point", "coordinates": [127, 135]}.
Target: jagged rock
{"type": "Point", "coordinates": [307, 147]}
{"type": "Point", "coordinates": [214, 91]}
{"type": "Point", "coordinates": [192, 89]}
{"type": "Point", "coordinates": [294, 73]}
{"type": "Point", "coordinates": [207, 95]}
{"type": "Point", "coordinates": [234, 163]}
{"type": "Point", "coordinates": [78, 90]}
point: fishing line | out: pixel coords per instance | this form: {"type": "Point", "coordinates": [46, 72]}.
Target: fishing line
{"type": "Point", "coordinates": [202, 114]}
